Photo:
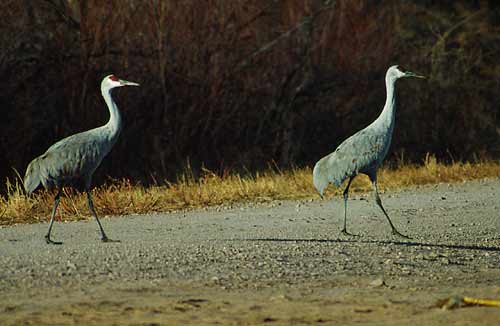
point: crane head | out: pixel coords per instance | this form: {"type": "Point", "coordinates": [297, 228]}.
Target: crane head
{"type": "Point", "coordinates": [111, 81]}
{"type": "Point", "coordinates": [395, 72]}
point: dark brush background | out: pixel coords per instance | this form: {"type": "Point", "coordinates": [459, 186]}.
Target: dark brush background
{"type": "Point", "coordinates": [241, 84]}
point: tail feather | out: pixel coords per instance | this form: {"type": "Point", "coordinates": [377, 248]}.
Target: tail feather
{"type": "Point", "coordinates": [320, 180]}
{"type": "Point", "coordinates": [329, 170]}
{"type": "Point", "coordinates": [32, 178]}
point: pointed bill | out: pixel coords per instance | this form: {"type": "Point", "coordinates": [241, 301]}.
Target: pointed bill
{"type": "Point", "coordinates": [412, 74]}
{"type": "Point", "coordinates": [127, 83]}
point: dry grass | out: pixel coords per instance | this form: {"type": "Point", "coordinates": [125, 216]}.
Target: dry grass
{"type": "Point", "coordinates": [122, 197]}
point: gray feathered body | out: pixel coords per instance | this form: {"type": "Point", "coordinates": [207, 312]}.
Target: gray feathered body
{"type": "Point", "coordinates": [363, 152]}
{"type": "Point", "coordinates": [71, 161]}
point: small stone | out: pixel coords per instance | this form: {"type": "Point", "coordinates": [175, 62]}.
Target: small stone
{"type": "Point", "coordinates": [378, 282]}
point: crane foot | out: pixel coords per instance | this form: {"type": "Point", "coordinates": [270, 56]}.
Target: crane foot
{"type": "Point", "coordinates": [397, 233]}
{"type": "Point", "coordinates": [106, 239]}
{"type": "Point", "coordinates": [344, 232]}
{"type": "Point", "coordinates": [49, 241]}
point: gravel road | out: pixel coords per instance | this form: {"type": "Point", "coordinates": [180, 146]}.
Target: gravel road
{"type": "Point", "coordinates": [278, 263]}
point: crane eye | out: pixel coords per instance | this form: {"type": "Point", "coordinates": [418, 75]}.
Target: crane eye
{"type": "Point", "coordinates": [113, 78]}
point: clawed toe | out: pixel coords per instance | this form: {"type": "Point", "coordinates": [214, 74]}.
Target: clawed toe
{"type": "Point", "coordinates": [397, 233]}
{"type": "Point", "coordinates": [106, 239]}
{"type": "Point", "coordinates": [344, 232]}
{"type": "Point", "coordinates": [49, 241]}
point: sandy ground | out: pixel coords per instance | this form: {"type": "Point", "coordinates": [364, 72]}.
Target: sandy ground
{"type": "Point", "coordinates": [282, 263]}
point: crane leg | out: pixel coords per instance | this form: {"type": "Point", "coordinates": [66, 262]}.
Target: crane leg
{"type": "Point", "coordinates": [379, 203]}
{"type": "Point", "coordinates": [346, 196]}
{"type": "Point", "coordinates": [56, 203]}
{"type": "Point", "coordinates": [104, 237]}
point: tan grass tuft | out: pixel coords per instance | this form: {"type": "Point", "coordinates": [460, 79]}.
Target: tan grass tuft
{"type": "Point", "coordinates": [122, 197]}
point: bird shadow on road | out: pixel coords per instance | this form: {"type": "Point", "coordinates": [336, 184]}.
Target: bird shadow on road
{"type": "Point", "coordinates": [383, 242]}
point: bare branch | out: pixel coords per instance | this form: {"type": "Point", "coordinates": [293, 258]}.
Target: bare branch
{"type": "Point", "coordinates": [303, 24]}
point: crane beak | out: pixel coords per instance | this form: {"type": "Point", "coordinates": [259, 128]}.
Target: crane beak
{"type": "Point", "coordinates": [412, 74]}
{"type": "Point", "coordinates": [127, 83]}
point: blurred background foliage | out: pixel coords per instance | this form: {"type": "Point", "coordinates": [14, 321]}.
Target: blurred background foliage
{"type": "Point", "coordinates": [232, 85]}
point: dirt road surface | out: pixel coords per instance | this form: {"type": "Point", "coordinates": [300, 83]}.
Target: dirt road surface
{"type": "Point", "coordinates": [280, 263]}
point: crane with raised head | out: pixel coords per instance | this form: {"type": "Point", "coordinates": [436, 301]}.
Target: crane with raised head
{"type": "Point", "coordinates": [364, 151]}
{"type": "Point", "coordinates": [73, 160]}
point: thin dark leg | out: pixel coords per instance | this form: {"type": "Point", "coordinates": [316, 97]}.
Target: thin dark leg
{"type": "Point", "coordinates": [379, 203]}
{"type": "Point", "coordinates": [346, 196]}
{"type": "Point", "coordinates": [104, 237]}
{"type": "Point", "coordinates": [56, 203]}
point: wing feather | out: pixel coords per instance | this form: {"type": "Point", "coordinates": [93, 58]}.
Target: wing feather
{"type": "Point", "coordinates": [361, 152]}
{"type": "Point", "coordinates": [67, 162]}
{"type": "Point", "coordinates": [32, 177]}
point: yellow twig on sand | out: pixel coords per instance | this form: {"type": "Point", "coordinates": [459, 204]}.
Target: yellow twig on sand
{"type": "Point", "coordinates": [481, 302]}
{"type": "Point", "coordinates": [457, 302]}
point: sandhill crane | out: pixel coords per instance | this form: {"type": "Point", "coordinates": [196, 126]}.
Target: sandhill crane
{"type": "Point", "coordinates": [72, 160]}
{"type": "Point", "coordinates": [364, 151]}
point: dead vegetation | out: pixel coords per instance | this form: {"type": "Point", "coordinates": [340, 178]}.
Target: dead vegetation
{"type": "Point", "coordinates": [210, 189]}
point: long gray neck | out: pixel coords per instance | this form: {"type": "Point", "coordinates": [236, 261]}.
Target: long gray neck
{"type": "Point", "coordinates": [114, 125]}
{"type": "Point", "coordinates": [386, 118]}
